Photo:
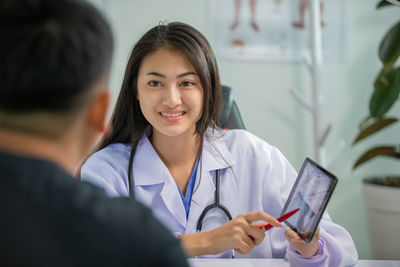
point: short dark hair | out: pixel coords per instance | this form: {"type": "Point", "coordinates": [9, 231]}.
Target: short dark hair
{"type": "Point", "coordinates": [128, 123]}
{"type": "Point", "coordinates": [51, 52]}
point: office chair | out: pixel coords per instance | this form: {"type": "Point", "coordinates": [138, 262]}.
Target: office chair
{"type": "Point", "coordinates": [229, 116]}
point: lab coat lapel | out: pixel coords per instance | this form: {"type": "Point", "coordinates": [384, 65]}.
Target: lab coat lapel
{"type": "Point", "coordinates": [214, 156]}
{"type": "Point", "coordinates": [147, 175]}
{"type": "Point", "coordinates": [173, 201]}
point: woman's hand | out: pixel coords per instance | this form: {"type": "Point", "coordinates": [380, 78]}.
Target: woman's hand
{"type": "Point", "coordinates": [239, 234]}
{"type": "Point", "coordinates": [302, 247]}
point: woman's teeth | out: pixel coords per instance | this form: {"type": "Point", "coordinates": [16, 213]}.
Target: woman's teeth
{"type": "Point", "coordinates": [171, 115]}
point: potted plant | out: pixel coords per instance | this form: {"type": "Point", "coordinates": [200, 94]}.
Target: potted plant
{"type": "Point", "coordinates": [382, 194]}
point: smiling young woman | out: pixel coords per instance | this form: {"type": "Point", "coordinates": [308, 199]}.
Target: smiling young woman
{"type": "Point", "coordinates": [167, 152]}
{"type": "Point", "coordinates": [171, 99]}
{"type": "Point", "coordinates": [170, 93]}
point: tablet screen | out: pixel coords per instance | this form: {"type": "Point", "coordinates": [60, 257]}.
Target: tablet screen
{"type": "Point", "coordinates": [311, 192]}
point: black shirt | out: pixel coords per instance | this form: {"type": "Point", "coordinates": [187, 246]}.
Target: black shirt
{"type": "Point", "coordinates": [48, 218]}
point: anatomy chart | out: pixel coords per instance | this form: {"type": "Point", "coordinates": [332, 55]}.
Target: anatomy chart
{"type": "Point", "coordinates": [276, 30]}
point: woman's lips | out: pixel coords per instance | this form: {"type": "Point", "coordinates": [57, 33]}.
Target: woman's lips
{"type": "Point", "coordinates": [172, 116]}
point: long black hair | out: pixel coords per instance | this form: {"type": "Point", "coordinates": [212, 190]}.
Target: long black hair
{"type": "Point", "coordinates": [128, 123]}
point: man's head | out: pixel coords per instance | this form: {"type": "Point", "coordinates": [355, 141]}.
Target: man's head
{"type": "Point", "coordinates": [55, 57]}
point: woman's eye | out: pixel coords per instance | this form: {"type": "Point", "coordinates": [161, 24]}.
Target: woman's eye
{"type": "Point", "coordinates": [187, 84]}
{"type": "Point", "coordinates": [154, 84]}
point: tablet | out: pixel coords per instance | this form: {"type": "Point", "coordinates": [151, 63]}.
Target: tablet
{"type": "Point", "coordinates": [310, 193]}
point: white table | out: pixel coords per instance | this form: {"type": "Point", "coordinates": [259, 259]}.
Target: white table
{"type": "Point", "coordinates": [275, 263]}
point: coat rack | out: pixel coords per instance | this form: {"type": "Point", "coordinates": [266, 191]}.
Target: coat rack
{"type": "Point", "coordinates": [313, 60]}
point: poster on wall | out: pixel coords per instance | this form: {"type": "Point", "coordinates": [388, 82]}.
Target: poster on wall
{"type": "Point", "coordinates": [274, 30]}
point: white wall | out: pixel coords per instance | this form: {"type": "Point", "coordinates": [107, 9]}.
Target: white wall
{"type": "Point", "coordinates": [261, 90]}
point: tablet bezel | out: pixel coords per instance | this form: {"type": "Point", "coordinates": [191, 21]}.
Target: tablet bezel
{"type": "Point", "coordinates": [332, 185]}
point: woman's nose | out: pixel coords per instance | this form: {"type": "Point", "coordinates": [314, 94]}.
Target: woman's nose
{"type": "Point", "coordinates": [172, 97]}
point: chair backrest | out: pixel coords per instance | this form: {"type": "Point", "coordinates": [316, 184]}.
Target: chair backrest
{"type": "Point", "coordinates": [229, 116]}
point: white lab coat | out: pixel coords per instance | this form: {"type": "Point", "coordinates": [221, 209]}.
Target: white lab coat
{"type": "Point", "coordinates": [254, 176]}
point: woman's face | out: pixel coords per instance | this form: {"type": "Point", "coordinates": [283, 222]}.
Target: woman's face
{"type": "Point", "coordinates": [170, 93]}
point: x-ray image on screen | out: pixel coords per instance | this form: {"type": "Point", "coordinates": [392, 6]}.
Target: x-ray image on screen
{"type": "Point", "coordinates": [310, 193]}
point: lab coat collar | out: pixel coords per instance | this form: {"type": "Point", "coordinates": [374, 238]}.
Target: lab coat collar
{"type": "Point", "coordinates": [148, 168]}
{"type": "Point", "coordinates": [215, 154]}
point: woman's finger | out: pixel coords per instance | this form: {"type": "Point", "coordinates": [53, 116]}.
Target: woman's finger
{"type": "Point", "coordinates": [244, 247]}
{"type": "Point", "coordinates": [256, 233]}
{"type": "Point", "coordinates": [316, 235]}
{"type": "Point", "coordinates": [292, 235]}
{"type": "Point", "coordinates": [262, 216]}
{"type": "Point", "coordinates": [248, 240]}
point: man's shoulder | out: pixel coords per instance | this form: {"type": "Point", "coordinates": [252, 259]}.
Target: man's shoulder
{"type": "Point", "coordinates": [124, 227]}
{"type": "Point", "coordinates": [77, 219]}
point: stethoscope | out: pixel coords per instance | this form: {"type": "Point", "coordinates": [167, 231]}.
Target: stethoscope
{"type": "Point", "coordinates": [216, 203]}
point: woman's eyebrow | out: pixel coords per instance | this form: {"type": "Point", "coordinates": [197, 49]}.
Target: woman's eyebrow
{"type": "Point", "coordinates": [186, 73]}
{"type": "Point", "coordinates": [179, 76]}
{"type": "Point", "coordinates": [156, 74]}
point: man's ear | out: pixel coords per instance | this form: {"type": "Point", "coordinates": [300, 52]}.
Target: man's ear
{"type": "Point", "coordinates": [98, 111]}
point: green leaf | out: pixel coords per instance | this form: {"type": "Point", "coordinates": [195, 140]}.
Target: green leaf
{"type": "Point", "coordinates": [387, 88]}
{"type": "Point", "coordinates": [383, 3]}
{"type": "Point", "coordinates": [388, 151]}
{"type": "Point", "coordinates": [379, 124]}
{"type": "Point", "coordinates": [389, 49]}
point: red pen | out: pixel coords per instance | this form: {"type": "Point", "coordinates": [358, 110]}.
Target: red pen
{"type": "Point", "coordinates": [281, 219]}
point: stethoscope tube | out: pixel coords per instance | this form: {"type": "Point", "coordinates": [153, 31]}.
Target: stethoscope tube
{"type": "Point", "coordinates": [216, 204]}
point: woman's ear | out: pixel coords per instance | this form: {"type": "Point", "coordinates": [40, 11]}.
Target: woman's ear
{"type": "Point", "coordinates": [98, 111]}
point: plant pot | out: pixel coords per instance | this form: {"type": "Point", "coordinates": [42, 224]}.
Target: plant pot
{"type": "Point", "coordinates": [383, 212]}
